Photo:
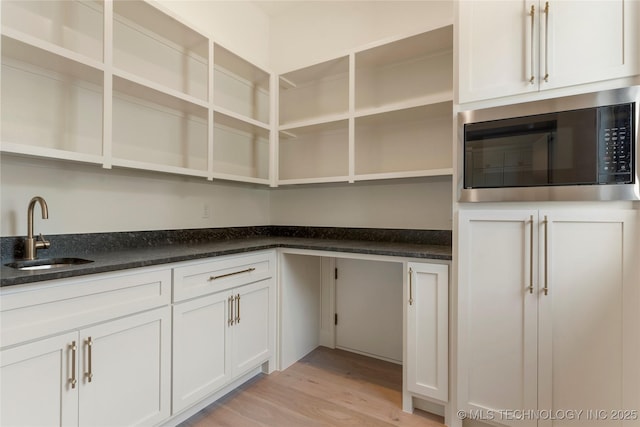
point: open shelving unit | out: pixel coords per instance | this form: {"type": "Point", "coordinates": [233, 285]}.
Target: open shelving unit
{"type": "Point", "coordinates": [394, 104]}
{"type": "Point", "coordinates": [125, 83]}
{"type": "Point", "coordinates": [52, 80]}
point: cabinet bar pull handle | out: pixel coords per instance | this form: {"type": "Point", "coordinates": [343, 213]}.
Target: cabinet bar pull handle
{"type": "Point", "coordinates": [89, 374]}
{"type": "Point", "coordinates": [410, 286]}
{"type": "Point", "coordinates": [531, 254]}
{"type": "Point", "coordinates": [248, 270]}
{"type": "Point", "coordinates": [238, 308]}
{"type": "Point", "coordinates": [533, 15]}
{"type": "Point", "coordinates": [230, 300]}
{"type": "Point", "coordinates": [73, 380]}
{"type": "Point", "coordinates": [546, 257]}
{"type": "Point", "coordinates": [546, 42]}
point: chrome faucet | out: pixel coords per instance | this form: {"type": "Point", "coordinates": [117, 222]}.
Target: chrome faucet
{"type": "Point", "coordinates": [32, 245]}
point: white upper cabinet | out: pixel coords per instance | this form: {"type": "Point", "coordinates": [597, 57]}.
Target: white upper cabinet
{"type": "Point", "coordinates": [377, 113]}
{"type": "Point", "coordinates": [516, 47]}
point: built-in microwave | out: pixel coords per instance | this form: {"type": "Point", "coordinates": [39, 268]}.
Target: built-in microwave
{"type": "Point", "coordinates": [581, 147]}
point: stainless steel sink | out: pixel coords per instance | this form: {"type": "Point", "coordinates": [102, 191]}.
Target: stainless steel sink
{"type": "Point", "coordinates": [45, 264]}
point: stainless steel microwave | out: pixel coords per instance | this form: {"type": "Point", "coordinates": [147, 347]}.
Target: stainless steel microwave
{"type": "Point", "coordinates": [581, 147]}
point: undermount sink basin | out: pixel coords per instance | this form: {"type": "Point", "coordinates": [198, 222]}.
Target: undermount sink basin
{"type": "Point", "coordinates": [45, 264]}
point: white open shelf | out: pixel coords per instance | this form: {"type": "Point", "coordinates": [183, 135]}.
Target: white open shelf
{"type": "Point", "coordinates": [240, 150]}
{"type": "Point", "coordinates": [158, 131]}
{"type": "Point", "coordinates": [317, 153]}
{"type": "Point", "coordinates": [411, 142]}
{"type": "Point", "coordinates": [51, 105]}
{"type": "Point", "coordinates": [417, 70]}
{"type": "Point", "coordinates": [154, 46]}
{"type": "Point", "coordinates": [316, 93]}
{"type": "Point", "coordinates": [75, 26]}
{"type": "Point", "coordinates": [240, 87]}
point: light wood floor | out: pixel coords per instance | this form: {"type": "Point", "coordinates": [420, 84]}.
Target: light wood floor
{"type": "Point", "coordinates": [325, 388]}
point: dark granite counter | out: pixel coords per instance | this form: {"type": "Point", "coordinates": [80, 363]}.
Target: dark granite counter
{"type": "Point", "coordinates": [119, 251]}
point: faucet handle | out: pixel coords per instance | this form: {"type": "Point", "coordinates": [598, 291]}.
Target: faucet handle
{"type": "Point", "coordinates": [43, 243]}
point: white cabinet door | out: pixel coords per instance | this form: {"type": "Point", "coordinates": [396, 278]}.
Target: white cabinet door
{"type": "Point", "coordinates": [495, 49]}
{"type": "Point", "coordinates": [428, 330]}
{"type": "Point", "coordinates": [125, 371]}
{"type": "Point", "coordinates": [589, 322]}
{"type": "Point", "coordinates": [497, 305]}
{"type": "Point", "coordinates": [587, 41]}
{"type": "Point", "coordinates": [35, 380]}
{"type": "Point", "coordinates": [252, 326]}
{"type": "Point", "coordinates": [201, 362]}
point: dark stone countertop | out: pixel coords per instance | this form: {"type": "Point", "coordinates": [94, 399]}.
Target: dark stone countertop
{"type": "Point", "coordinates": [170, 247]}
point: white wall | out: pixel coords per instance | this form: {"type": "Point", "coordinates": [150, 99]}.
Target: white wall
{"type": "Point", "coordinates": [88, 199]}
{"type": "Point", "coordinates": [313, 31]}
{"type": "Point", "coordinates": [416, 203]}
{"type": "Point", "coordinates": [238, 25]}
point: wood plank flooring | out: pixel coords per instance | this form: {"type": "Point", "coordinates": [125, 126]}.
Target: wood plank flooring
{"type": "Point", "coordinates": [325, 388]}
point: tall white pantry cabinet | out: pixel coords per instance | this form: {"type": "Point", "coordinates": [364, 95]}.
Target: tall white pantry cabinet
{"type": "Point", "coordinates": [549, 314]}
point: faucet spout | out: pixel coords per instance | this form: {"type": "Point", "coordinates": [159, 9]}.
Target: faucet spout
{"type": "Point", "coordinates": [32, 245]}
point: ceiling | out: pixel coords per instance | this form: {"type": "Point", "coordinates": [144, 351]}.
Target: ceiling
{"type": "Point", "coordinates": [277, 8]}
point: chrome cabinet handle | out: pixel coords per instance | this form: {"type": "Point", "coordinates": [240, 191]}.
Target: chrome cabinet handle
{"type": "Point", "coordinates": [531, 254]}
{"type": "Point", "coordinates": [546, 42]}
{"type": "Point", "coordinates": [73, 380]}
{"type": "Point", "coordinates": [546, 256]}
{"type": "Point", "coordinates": [238, 308]}
{"type": "Point", "coordinates": [89, 373]}
{"type": "Point", "coordinates": [248, 270]}
{"type": "Point", "coordinates": [230, 301]}
{"type": "Point", "coordinates": [533, 15]}
{"type": "Point", "coordinates": [410, 286]}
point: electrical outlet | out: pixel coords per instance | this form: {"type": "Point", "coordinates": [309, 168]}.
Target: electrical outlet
{"type": "Point", "coordinates": [205, 211]}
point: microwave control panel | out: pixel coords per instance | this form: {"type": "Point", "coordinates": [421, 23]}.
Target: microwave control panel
{"type": "Point", "coordinates": [616, 145]}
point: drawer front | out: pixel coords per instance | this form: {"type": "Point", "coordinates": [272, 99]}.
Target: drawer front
{"type": "Point", "coordinates": [222, 273]}
{"type": "Point", "coordinates": [38, 310]}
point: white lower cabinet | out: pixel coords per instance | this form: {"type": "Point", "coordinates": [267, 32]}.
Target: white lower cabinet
{"type": "Point", "coordinates": [549, 320]}
{"type": "Point", "coordinates": [127, 363]}
{"type": "Point", "coordinates": [250, 334]}
{"type": "Point", "coordinates": [220, 336]}
{"type": "Point", "coordinates": [90, 351]}
{"type": "Point", "coordinates": [39, 372]}
{"type": "Point", "coordinates": [200, 350]}
{"type": "Point", "coordinates": [124, 362]}
{"type": "Point", "coordinates": [428, 331]}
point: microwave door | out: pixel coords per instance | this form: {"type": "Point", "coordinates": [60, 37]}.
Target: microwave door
{"type": "Point", "coordinates": [507, 161]}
